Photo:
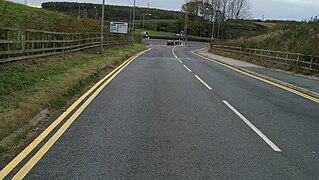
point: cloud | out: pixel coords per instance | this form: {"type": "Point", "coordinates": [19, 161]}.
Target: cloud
{"type": "Point", "coordinates": [272, 9]}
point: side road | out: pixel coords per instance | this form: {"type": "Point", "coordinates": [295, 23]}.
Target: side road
{"type": "Point", "coordinates": [301, 83]}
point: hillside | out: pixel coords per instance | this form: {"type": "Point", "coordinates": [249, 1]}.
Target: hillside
{"type": "Point", "coordinates": [111, 11]}
{"type": "Point", "coordinates": [296, 37]}
{"type": "Point", "coordinates": [20, 16]}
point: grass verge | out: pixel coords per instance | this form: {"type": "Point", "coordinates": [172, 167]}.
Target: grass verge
{"type": "Point", "coordinates": [27, 87]}
{"type": "Point", "coordinates": [264, 62]}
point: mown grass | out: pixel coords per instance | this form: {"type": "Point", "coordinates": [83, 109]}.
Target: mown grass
{"type": "Point", "coordinates": [157, 34]}
{"type": "Point", "coordinates": [27, 87]}
{"type": "Point", "coordinates": [168, 21]}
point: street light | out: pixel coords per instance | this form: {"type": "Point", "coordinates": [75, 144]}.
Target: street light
{"type": "Point", "coordinates": [185, 38]}
{"type": "Point", "coordinates": [95, 13]}
{"type": "Point", "coordinates": [143, 29]}
{"type": "Point", "coordinates": [79, 16]}
{"type": "Point", "coordinates": [102, 30]}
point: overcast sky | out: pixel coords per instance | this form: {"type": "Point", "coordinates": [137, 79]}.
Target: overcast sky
{"type": "Point", "coordinates": [272, 9]}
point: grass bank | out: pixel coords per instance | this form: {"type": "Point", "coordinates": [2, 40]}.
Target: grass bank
{"type": "Point", "coordinates": [27, 87]}
{"type": "Point", "coordinates": [264, 62]}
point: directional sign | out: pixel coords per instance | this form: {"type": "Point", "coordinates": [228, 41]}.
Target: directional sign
{"type": "Point", "coordinates": [118, 27]}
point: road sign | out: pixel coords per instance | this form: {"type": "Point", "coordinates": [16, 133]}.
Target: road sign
{"type": "Point", "coordinates": [119, 27]}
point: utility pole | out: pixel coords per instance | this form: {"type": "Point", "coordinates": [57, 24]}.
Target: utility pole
{"type": "Point", "coordinates": [213, 30]}
{"type": "Point", "coordinates": [102, 30]}
{"type": "Point", "coordinates": [79, 12]}
{"type": "Point", "coordinates": [133, 22]}
{"type": "Point", "coordinates": [130, 24]}
{"type": "Point", "coordinates": [185, 39]}
{"type": "Point", "coordinates": [143, 23]}
{"type": "Point", "coordinates": [219, 19]}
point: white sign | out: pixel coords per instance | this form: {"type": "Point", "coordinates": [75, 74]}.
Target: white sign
{"type": "Point", "coordinates": [119, 27]}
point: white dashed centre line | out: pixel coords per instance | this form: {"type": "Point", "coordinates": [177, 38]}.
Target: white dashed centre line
{"type": "Point", "coordinates": [257, 131]}
{"type": "Point", "coordinates": [187, 68]}
{"type": "Point", "coordinates": [203, 82]}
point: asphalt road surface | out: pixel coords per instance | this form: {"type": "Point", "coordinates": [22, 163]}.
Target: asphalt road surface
{"type": "Point", "coordinates": [173, 115]}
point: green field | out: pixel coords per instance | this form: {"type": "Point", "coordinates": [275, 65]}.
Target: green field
{"type": "Point", "coordinates": [169, 21]}
{"type": "Point", "coordinates": [156, 34]}
{"type": "Point", "coordinates": [21, 16]}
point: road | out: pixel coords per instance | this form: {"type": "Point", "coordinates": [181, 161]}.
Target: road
{"type": "Point", "coordinates": [173, 115]}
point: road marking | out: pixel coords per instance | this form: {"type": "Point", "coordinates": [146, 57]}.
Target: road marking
{"type": "Point", "coordinates": [203, 82]}
{"type": "Point", "coordinates": [176, 56]}
{"type": "Point", "coordinates": [261, 79]}
{"type": "Point", "coordinates": [31, 163]}
{"type": "Point", "coordinates": [257, 131]}
{"type": "Point", "coordinates": [187, 68]}
{"type": "Point", "coordinates": [7, 169]}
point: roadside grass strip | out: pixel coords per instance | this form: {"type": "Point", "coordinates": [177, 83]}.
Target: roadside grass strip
{"type": "Point", "coordinates": [96, 89]}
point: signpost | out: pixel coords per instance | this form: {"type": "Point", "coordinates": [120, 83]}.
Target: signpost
{"type": "Point", "coordinates": [119, 27]}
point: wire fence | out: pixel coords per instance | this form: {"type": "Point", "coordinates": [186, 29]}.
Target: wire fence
{"type": "Point", "coordinates": [16, 44]}
{"type": "Point", "coordinates": [297, 60]}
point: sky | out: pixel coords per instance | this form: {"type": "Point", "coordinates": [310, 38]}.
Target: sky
{"type": "Point", "coordinates": [271, 9]}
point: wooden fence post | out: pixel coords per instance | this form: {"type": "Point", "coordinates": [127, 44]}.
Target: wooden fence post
{"type": "Point", "coordinates": [42, 43]}
{"type": "Point", "coordinates": [297, 61]}
{"type": "Point", "coordinates": [23, 44]}
{"type": "Point", "coordinates": [311, 62]}
{"type": "Point", "coordinates": [8, 45]}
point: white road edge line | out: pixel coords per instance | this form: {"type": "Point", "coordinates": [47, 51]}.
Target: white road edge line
{"type": "Point", "coordinates": [187, 68]}
{"type": "Point", "coordinates": [257, 131]}
{"type": "Point", "coordinates": [203, 82]}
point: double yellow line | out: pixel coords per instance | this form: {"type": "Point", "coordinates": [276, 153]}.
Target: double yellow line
{"type": "Point", "coordinates": [304, 95]}
{"type": "Point", "coordinates": [96, 89]}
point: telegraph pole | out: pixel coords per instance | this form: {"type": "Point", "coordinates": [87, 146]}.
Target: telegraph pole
{"type": "Point", "coordinates": [133, 22]}
{"type": "Point", "coordinates": [102, 30]}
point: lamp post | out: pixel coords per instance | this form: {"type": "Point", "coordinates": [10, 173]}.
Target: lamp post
{"type": "Point", "coordinates": [143, 28]}
{"type": "Point", "coordinates": [185, 38]}
{"type": "Point", "coordinates": [79, 16]}
{"type": "Point", "coordinates": [95, 13]}
{"type": "Point", "coordinates": [102, 30]}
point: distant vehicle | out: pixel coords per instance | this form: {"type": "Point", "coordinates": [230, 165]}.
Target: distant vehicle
{"type": "Point", "coordinates": [178, 42]}
{"type": "Point", "coordinates": [170, 43]}
{"type": "Point", "coordinates": [145, 34]}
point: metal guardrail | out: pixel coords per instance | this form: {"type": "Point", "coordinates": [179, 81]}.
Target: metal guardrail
{"type": "Point", "coordinates": [306, 62]}
{"type": "Point", "coordinates": [16, 44]}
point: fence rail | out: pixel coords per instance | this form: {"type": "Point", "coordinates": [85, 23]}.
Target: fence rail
{"type": "Point", "coordinates": [306, 62]}
{"type": "Point", "coordinates": [16, 44]}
